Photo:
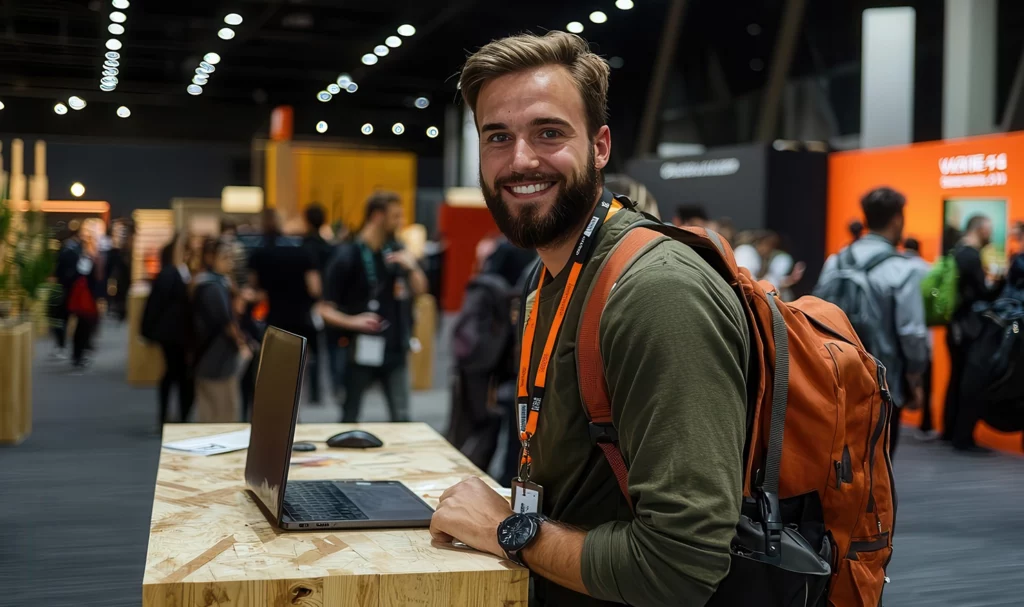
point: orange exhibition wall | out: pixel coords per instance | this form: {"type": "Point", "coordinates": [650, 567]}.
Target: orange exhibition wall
{"type": "Point", "coordinates": [928, 174]}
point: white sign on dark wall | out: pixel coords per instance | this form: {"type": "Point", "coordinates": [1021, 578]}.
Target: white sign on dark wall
{"type": "Point", "coordinates": [973, 171]}
{"type": "Point", "coordinates": [688, 169]}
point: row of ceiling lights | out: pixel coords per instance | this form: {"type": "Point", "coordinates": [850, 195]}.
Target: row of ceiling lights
{"type": "Point", "coordinates": [112, 58]}
{"type": "Point", "coordinates": [345, 82]}
{"type": "Point", "coordinates": [367, 129]}
{"type": "Point", "coordinates": [598, 17]}
{"type": "Point", "coordinates": [210, 60]}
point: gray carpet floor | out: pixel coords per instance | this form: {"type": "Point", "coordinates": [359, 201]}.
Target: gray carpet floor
{"type": "Point", "coordinates": [75, 499]}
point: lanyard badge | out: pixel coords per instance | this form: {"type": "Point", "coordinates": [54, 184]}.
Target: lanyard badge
{"type": "Point", "coordinates": [529, 401]}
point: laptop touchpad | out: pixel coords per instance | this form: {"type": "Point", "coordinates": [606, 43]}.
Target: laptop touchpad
{"type": "Point", "coordinates": [386, 501]}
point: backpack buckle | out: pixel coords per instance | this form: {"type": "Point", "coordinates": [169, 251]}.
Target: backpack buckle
{"type": "Point", "coordinates": [603, 433]}
{"type": "Point", "coordinates": [771, 524]}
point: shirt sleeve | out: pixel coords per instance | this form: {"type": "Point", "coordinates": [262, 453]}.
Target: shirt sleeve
{"type": "Point", "coordinates": [675, 347]}
{"type": "Point", "coordinates": [911, 328]}
{"type": "Point", "coordinates": [337, 275]}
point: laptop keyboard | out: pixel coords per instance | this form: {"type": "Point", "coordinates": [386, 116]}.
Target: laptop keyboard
{"type": "Point", "coordinates": [311, 501]}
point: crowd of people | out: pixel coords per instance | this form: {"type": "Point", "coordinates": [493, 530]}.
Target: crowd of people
{"type": "Point", "coordinates": [349, 296]}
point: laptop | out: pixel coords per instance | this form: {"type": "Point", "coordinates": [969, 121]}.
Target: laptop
{"type": "Point", "coordinates": [310, 505]}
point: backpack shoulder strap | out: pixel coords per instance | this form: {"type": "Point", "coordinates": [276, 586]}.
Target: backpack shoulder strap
{"type": "Point", "coordinates": [878, 259]}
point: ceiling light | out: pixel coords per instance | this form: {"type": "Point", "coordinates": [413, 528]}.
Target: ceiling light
{"type": "Point", "coordinates": [233, 19]}
{"type": "Point", "coordinates": [398, 128]}
{"type": "Point", "coordinates": [121, 4]}
{"type": "Point", "coordinates": [211, 58]}
{"type": "Point", "coordinates": [112, 55]}
{"type": "Point", "coordinates": [123, 112]}
{"type": "Point", "coordinates": [194, 89]}
{"type": "Point", "coordinates": [344, 80]}
{"type": "Point", "coordinates": [321, 127]}
{"type": "Point", "coordinates": [114, 44]}
{"type": "Point", "coordinates": [367, 129]}
{"type": "Point", "coordinates": [115, 28]}
{"type": "Point", "coordinates": [575, 27]}
{"type": "Point", "coordinates": [207, 67]}
{"type": "Point", "coordinates": [77, 189]}
{"type": "Point", "coordinates": [226, 33]}
{"type": "Point", "coordinates": [324, 96]}
{"type": "Point", "coordinates": [1, 105]}
{"type": "Point", "coordinates": [369, 59]}
{"type": "Point", "coordinates": [60, 109]}
{"type": "Point", "coordinates": [109, 80]}
{"type": "Point", "coordinates": [110, 71]}
{"type": "Point", "coordinates": [352, 87]}
{"type": "Point", "coordinates": [624, 4]}
{"type": "Point", "coordinates": [393, 41]}
{"type": "Point", "coordinates": [406, 30]}
{"type": "Point", "coordinates": [109, 63]}
{"type": "Point", "coordinates": [598, 17]}
{"type": "Point", "coordinates": [200, 79]}
{"type": "Point", "coordinates": [333, 89]}
{"type": "Point", "coordinates": [616, 62]}
{"type": "Point", "coordinates": [380, 50]}
{"type": "Point", "coordinates": [107, 88]}
{"type": "Point", "coordinates": [118, 17]}
{"type": "Point", "coordinates": [432, 132]}
{"type": "Point", "coordinates": [76, 103]}
{"type": "Point", "coordinates": [422, 103]}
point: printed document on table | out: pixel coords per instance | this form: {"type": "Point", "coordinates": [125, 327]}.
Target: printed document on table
{"type": "Point", "coordinates": [212, 445]}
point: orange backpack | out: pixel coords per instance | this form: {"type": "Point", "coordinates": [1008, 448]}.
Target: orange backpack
{"type": "Point", "coordinates": [818, 482]}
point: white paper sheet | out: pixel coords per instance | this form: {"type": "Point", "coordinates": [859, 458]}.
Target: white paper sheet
{"type": "Point", "coordinates": [212, 445]}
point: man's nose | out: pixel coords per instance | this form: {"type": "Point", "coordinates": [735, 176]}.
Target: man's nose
{"type": "Point", "coordinates": [525, 159]}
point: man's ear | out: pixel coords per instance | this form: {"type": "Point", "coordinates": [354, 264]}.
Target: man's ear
{"type": "Point", "coordinates": [602, 147]}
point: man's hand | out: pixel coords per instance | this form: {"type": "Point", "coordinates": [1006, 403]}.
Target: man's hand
{"type": "Point", "coordinates": [403, 258]}
{"type": "Point", "coordinates": [471, 512]}
{"type": "Point", "coordinates": [367, 322]}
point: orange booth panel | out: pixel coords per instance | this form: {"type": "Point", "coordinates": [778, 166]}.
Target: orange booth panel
{"type": "Point", "coordinates": [462, 228]}
{"type": "Point", "coordinates": [928, 174]}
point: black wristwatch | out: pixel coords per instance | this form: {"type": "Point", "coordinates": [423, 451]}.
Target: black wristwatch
{"type": "Point", "coordinates": [516, 533]}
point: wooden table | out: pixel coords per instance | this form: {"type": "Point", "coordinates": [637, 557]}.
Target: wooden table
{"type": "Point", "coordinates": [209, 543]}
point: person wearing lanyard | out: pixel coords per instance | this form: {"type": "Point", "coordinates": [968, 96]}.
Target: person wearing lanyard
{"type": "Point", "coordinates": [370, 287]}
{"type": "Point", "coordinates": [674, 345]}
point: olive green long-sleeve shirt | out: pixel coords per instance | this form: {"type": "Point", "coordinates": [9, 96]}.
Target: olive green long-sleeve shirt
{"type": "Point", "coordinates": [675, 346]}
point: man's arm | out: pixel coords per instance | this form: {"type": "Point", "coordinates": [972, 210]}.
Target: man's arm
{"type": "Point", "coordinates": [911, 328]}
{"type": "Point", "coordinates": [417, 278]}
{"type": "Point", "coordinates": [675, 347]}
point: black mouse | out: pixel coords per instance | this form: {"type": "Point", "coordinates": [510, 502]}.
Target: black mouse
{"type": "Point", "coordinates": [354, 439]}
{"type": "Point", "coordinates": [303, 446]}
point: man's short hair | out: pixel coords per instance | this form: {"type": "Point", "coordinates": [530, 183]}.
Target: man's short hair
{"type": "Point", "coordinates": [315, 215]}
{"type": "Point", "coordinates": [975, 222]}
{"type": "Point", "coordinates": [380, 201]}
{"type": "Point", "coordinates": [688, 212]}
{"type": "Point", "coordinates": [227, 225]}
{"type": "Point", "coordinates": [527, 51]}
{"type": "Point", "coordinates": [881, 206]}
{"type": "Point", "coordinates": [912, 244]}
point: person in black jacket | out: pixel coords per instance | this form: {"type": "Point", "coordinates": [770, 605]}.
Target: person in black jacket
{"type": "Point", "coordinates": [321, 251]}
{"type": "Point", "coordinates": [961, 414]}
{"type": "Point", "coordinates": [166, 320]}
{"type": "Point", "coordinates": [65, 273]}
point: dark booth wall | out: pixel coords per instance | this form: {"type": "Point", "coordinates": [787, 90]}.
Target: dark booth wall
{"type": "Point", "coordinates": [754, 185]}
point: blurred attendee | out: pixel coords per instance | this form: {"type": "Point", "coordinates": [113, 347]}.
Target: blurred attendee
{"type": "Point", "coordinates": [753, 249]}
{"type": "Point", "coordinates": [167, 320]}
{"type": "Point", "coordinates": [65, 273]}
{"type": "Point", "coordinates": [229, 234]}
{"type": "Point", "coordinates": [222, 349]}
{"type": "Point", "coordinates": [635, 191]}
{"type": "Point", "coordinates": [371, 284]}
{"type": "Point", "coordinates": [82, 299]}
{"type": "Point", "coordinates": [727, 229]}
{"type": "Point", "coordinates": [321, 251]}
{"type": "Point", "coordinates": [856, 229]}
{"type": "Point", "coordinates": [900, 337]}
{"type": "Point", "coordinates": [783, 272]}
{"type": "Point", "coordinates": [920, 269]}
{"type": "Point", "coordinates": [690, 215]}
{"type": "Point", "coordinates": [962, 414]}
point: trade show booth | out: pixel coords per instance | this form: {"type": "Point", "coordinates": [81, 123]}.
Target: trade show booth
{"type": "Point", "coordinates": [756, 186]}
{"type": "Point", "coordinates": [944, 182]}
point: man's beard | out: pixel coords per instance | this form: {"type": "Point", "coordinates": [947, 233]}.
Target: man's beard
{"type": "Point", "coordinates": [529, 228]}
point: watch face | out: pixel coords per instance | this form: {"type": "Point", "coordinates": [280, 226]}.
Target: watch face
{"type": "Point", "coordinates": [516, 531]}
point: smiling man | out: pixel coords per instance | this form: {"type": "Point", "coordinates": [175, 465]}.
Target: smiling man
{"type": "Point", "coordinates": [674, 348]}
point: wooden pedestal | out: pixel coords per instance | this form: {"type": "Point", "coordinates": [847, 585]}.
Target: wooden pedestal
{"type": "Point", "coordinates": [15, 382]}
{"type": "Point", "coordinates": [145, 360]}
{"type": "Point", "coordinates": [425, 330]}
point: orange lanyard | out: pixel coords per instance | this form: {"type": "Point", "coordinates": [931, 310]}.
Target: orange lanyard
{"type": "Point", "coordinates": [529, 402]}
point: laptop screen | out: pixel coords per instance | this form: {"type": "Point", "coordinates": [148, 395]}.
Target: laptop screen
{"type": "Point", "coordinates": [275, 405]}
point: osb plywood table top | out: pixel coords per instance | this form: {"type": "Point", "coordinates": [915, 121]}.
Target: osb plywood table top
{"type": "Point", "coordinates": [209, 541]}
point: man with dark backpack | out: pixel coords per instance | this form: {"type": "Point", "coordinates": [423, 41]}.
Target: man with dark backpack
{"type": "Point", "coordinates": [880, 292]}
{"type": "Point", "coordinates": [684, 440]}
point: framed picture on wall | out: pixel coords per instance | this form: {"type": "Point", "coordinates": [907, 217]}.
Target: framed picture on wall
{"type": "Point", "coordinates": [959, 211]}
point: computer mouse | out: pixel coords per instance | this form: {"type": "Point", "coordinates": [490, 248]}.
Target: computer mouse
{"type": "Point", "coordinates": [354, 439]}
{"type": "Point", "coordinates": [303, 446]}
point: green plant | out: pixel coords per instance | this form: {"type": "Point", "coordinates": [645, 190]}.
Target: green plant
{"type": "Point", "coordinates": [26, 260]}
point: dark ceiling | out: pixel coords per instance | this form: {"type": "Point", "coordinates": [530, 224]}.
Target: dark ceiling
{"type": "Point", "coordinates": [286, 51]}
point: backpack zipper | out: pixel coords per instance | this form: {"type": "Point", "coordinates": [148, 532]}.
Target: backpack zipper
{"type": "Point", "coordinates": [883, 415]}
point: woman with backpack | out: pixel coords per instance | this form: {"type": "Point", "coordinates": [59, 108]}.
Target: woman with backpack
{"type": "Point", "coordinates": [222, 347]}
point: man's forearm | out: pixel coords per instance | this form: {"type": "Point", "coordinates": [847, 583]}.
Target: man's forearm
{"type": "Point", "coordinates": [334, 317]}
{"type": "Point", "coordinates": [556, 554]}
{"type": "Point", "coordinates": [418, 282]}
